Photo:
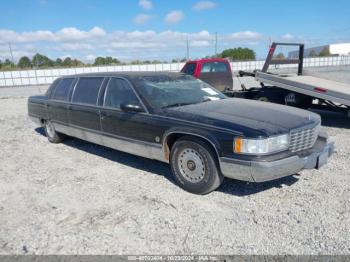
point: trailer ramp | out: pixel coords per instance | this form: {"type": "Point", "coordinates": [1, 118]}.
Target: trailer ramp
{"type": "Point", "coordinates": [309, 85]}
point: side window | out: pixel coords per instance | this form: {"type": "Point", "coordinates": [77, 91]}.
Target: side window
{"type": "Point", "coordinates": [214, 67]}
{"type": "Point", "coordinates": [118, 92]}
{"type": "Point", "coordinates": [219, 67]}
{"type": "Point", "coordinates": [86, 91]}
{"type": "Point", "coordinates": [189, 69]}
{"type": "Point", "coordinates": [206, 68]}
{"type": "Point", "coordinates": [61, 91]}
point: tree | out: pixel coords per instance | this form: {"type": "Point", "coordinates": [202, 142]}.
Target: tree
{"type": "Point", "coordinates": [76, 62]}
{"type": "Point", "coordinates": [0, 63]}
{"type": "Point", "coordinates": [108, 60]}
{"type": "Point", "coordinates": [40, 60]}
{"type": "Point", "coordinates": [100, 61]}
{"type": "Point", "coordinates": [174, 61]}
{"type": "Point", "coordinates": [24, 62]}
{"type": "Point", "coordinates": [67, 61]}
{"type": "Point", "coordinates": [8, 63]}
{"type": "Point", "coordinates": [313, 53]}
{"type": "Point", "coordinates": [280, 56]}
{"type": "Point", "coordinates": [58, 62]}
{"type": "Point", "coordinates": [238, 54]}
{"type": "Point", "coordinates": [325, 52]}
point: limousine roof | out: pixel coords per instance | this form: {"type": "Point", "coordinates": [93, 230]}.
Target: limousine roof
{"type": "Point", "coordinates": [129, 75]}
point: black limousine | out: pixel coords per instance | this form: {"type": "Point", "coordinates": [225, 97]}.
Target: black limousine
{"type": "Point", "coordinates": [178, 119]}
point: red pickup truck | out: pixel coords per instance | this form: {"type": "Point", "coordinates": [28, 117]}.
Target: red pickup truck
{"type": "Point", "coordinates": [215, 71]}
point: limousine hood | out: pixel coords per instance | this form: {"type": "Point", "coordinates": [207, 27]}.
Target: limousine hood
{"type": "Point", "coordinates": [250, 118]}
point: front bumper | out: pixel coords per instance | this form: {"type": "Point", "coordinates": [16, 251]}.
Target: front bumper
{"type": "Point", "coordinates": [260, 171]}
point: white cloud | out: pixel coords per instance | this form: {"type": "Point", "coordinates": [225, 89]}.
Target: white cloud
{"type": "Point", "coordinates": [246, 35]}
{"type": "Point", "coordinates": [65, 34]}
{"type": "Point", "coordinates": [204, 5]}
{"type": "Point", "coordinates": [90, 57]}
{"type": "Point", "coordinates": [142, 19]}
{"type": "Point", "coordinates": [146, 4]}
{"type": "Point", "coordinates": [199, 43]}
{"type": "Point", "coordinates": [288, 36]}
{"type": "Point", "coordinates": [76, 46]}
{"type": "Point", "coordinates": [140, 45]}
{"type": "Point", "coordinates": [174, 17]}
{"type": "Point", "coordinates": [73, 34]}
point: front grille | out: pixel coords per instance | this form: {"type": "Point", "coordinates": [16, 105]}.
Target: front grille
{"type": "Point", "coordinates": [302, 139]}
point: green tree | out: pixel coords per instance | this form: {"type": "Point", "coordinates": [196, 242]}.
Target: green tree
{"type": "Point", "coordinates": [183, 60]}
{"type": "Point", "coordinates": [24, 62]}
{"type": "Point", "coordinates": [174, 61]}
{"type": "Point", "coordinates": [325, 52]}
{"type": "Point", "coordinates": [76, 62]}
{"type": "Point", "coordinates": [136, 62]}
{"type": "Point", "coordinates": [40, 60]}
{"type": "Point", "coordinates": [67, 61]}
{"type": "Point", "coordinates": [238, 54]}
{"type": "Point", "coordinates": [0, 63]}
{"type": "Point", "coordinates": [8, 63]}
{"type": "Point", "coordinates": [280, 56]}
{"type": "Point", "coordinates": [100, 61]}
{"type": "Point", "coordinates": [58, 62]}
{"type": "Point", "coordinates": [313, 53]}
{"type": "Point", "coordinates": [110, 60]}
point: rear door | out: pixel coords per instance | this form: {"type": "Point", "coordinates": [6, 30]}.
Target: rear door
{"type": "Point", "coordinates": [84, 115]}
{"type": "Point", "coordinates": [217, 74]}
{"type": "Point", "coordinates": [59, 100]}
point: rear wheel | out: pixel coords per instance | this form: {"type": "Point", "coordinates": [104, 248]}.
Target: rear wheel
{"type": "Point", "coordinates": [194, 166]}
{"type": "Point", "coordinates": [51, 134]}
{"type": "Point", "coordinates": [270, 95]}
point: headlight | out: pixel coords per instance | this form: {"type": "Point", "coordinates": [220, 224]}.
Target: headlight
{"type": "Point", "coordinates": [261, 146]}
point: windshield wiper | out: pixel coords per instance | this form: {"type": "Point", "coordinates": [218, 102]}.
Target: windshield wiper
{"type": "Point", "coordinates": [178, 104]}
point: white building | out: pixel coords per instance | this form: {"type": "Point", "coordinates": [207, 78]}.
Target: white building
{"type": "Point", "coordinates": [333, 49]}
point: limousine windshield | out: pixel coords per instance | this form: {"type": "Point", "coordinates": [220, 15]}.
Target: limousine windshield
{"type": "Point", "coordinates": [165, 91]}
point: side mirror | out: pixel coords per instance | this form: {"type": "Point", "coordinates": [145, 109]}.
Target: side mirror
{"type": "Point", "coordinates": [127, 107]}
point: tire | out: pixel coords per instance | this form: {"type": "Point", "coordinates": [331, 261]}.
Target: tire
{"type": "Point", "coordinates": [270, 95]}
{"type": "Point", "coordinates": [194, 166]}
{"type": "Point", "coordinates": [51, 134]}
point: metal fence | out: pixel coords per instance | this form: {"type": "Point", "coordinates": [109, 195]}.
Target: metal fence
{"type": "Point", "coordinates": [47, 76]}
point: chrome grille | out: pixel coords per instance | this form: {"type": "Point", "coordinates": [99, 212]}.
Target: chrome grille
{"type": "Point", "coordinates": [302, 139]}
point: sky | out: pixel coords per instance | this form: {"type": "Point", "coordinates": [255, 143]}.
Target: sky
{"type": "Point", "coordinates": [159, 29]}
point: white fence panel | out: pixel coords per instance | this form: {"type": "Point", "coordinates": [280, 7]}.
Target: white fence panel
{"type": "Point", "coordinates": [47, 76]}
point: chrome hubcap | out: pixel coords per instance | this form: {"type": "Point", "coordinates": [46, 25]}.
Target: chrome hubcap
{"type": "Point", "coordinates": [50, 129]}
{"type": "Point", "coordinates": [191, 165]}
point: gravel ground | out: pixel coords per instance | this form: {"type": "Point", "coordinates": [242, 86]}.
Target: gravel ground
{"type": "Point", "coordinates": [80, 198]}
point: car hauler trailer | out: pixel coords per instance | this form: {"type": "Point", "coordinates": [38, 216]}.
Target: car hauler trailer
{"type": "Point", "coordinates": [298, 89]}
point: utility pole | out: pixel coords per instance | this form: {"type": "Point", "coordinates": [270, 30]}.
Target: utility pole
{"type": "Point", "coordinates": [188, 48]}
{"type": "Point", "coordinates": [13, 61]}
{"type": "Point", "coordinates": [216, 44]}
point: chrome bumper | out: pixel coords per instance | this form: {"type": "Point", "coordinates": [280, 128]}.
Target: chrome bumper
{"type": "Point", "coordinates": [254, 171]}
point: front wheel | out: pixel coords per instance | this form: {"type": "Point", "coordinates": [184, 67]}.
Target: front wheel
{"type": "Point", "coordinates": [194, 166]}
{"type": "Point", "coordinates": [52, 135]}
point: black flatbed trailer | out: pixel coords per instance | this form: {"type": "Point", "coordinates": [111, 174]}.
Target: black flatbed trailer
{"type": "Point", "coordinates": [294, 89]}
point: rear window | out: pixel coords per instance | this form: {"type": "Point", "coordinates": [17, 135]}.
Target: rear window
{"type": "Point", "coordinates": [86, 91]}
{"type": "Point", "coordinates": [189, 68]}
{"type": "Point", "coordinates": [61, 91]}
{"type": "Point", "coordinates": [212, 67]}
